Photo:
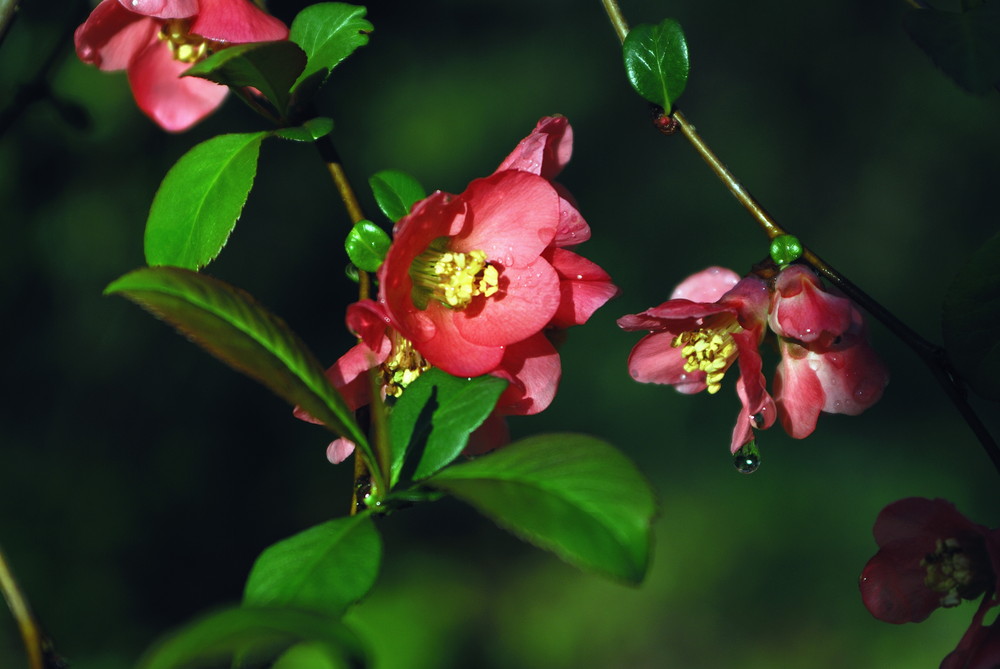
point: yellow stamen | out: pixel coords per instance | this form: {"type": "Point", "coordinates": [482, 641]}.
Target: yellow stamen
{"type": "Point", "coordinates": [452, 278]}
{"type": "Point", "coordinates": [402, 367]}
{"type": "Point", "coordinates": [185, 46]}
{"type": "Point", "coordinates": [951, 571]}
{"type": "Point", "coordinates": [710, 350]}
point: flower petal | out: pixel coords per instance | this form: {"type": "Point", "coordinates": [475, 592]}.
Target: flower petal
{"type": "Point", "coordinates": [532, 366]}
{"type": "Point", "coordinates": [237, 22]}
{"type": "Point", "coordinates": [798, 392]}
{"type": "Point", "coordinates": [584, 287]}
{"type": "Point", "coordinates": [804, 311]}
{"type": "Point", "coordinates": [162, 9]}
{"type": "Point", "coordinates": [112, 36]}
{"type": "Point", "coordinates": [339, 450]}
{"type": "Point", "coordinates": [545, 151]}
{"type": "Point", "coordinates": [175, 103]}
{"type": "Point", "coordinates": [656, 360]}
{"type": "Point", "coordinates": [708, 285]}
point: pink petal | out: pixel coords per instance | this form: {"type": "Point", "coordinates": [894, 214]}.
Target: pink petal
{"type": "Point", "coordinates": [708, 285]}
{"type": "Point", "coordinates": [572, 228]}
{"type": "Point", "coordinates": [442, 345]}
{"type": "Point", "coordinates": [545, 151]}
{"type": "Point", "coordinates": [162, 9]}
{"type": "Point", "coordinates": [112, 36]}
{"type": "Point", "coordinates": [370, 321]}
{"type": "Point", "coordinates": [533, 369]}
{"type": "Point", "coordinates": [584, 287]}
{"type": "Point", "coordinates": [175, 103]}
{"type": "Point", "coordinates": [804, 311]}
{"type": "Point", "coordinates": [339, 450]}
{"type": "Point", "coordinates": [528, 299]}
{"type": "Point", "coordinates": [489, 436]}
{"type": "Point", "coordinates": [512, 216]}
{"type": "Point", "coordinates": [798, 392]}
{"type": "Point", "coordinates": [979, 647]}
{"type": "Point", "coordinates": [893, 590]}
{"type": "Point", "coordinates": [656, 360]}
{"type": "Point", "coordinates": [237, 22]}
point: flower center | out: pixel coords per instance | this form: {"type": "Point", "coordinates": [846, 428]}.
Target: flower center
{"type": "Point", "coordinates": [450, 277]}
{"type": "Point", "coordinates": [952, 572]}
{"type": "Point", "coordinates": [402, 367]}
{"type": "Point", "coordinates": [185, 46]}
{"type": "Point", "coordinates": [710, 350]}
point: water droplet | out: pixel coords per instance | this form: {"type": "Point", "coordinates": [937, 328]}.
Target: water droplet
{"type": "Point", "coordinates": [747, 459]}
{"type": "Point", "coordinates": [814, 364]}
{"type": "Point", "coordinates": [579, 277]}
{"type": "Point", "coordinates": [757, 420]}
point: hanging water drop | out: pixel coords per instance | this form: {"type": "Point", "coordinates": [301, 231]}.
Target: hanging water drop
{"type": "Point", "coordinates": [747, 459]}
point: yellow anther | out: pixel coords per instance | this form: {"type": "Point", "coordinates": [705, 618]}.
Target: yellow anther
{"type": "Point", "coordinates": [709, 350]}
{"type": "Point", "coordinates": [402, 367]}
{"type": "Point", "coordinates": [185, 46]}
{"type": "Point", "coordinates": [452, 278]}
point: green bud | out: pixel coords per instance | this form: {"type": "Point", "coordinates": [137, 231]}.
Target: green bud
{"type": "Point", "coordinates": [785, 249]}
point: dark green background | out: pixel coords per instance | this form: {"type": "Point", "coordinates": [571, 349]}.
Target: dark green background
{"type": "Point", "coordinates": [139, 478]}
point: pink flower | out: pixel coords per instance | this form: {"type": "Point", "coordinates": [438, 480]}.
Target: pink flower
{"type": "Point", "coordinates": [469, 276]}
{"type": "Point", "coordinates": [156, 40]}
{"type": "Point", "coordinates": [826, 362]}
{"type": "Point", "coordinates": [713, 319]}
{"type": "Point", "coordinates": [931, 556]}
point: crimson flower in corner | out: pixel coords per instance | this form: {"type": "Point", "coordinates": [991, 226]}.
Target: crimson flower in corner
{"type": "Point", "coordinates": [156, 40]}
{"type": "Point", "coordinates": [713, 319]}
{"type": "Point", "coordinates": [932, 556]}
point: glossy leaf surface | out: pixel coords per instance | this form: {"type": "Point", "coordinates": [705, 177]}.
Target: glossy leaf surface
{"type": "Point", "coordinates": [309, 131]}
{"type": "Point", "coordinates": [656, 61]}
{"type": "Point", "coordinates": [366, 245]}
{"type": "Point", "coordinates": [249, 635]}
{"type": "Point", "coordinates": [430, 424]}
{"type": "Point", "coordinates": [572, 494]}
{"type": "Point", "coordinates": [200, 200]}
{"type": "Point", "coordinates": [971, 323]}
{"type": "Point", "coordinates": [395, 192]}
{"type": "Point", "coordinates": [325, 568]}
{"type": "Point", "coordinates": [232, 326]}
{"type": "Point", "coordinates": [270, 67]}
{"type": "Point", "coordinates": [328, 32]}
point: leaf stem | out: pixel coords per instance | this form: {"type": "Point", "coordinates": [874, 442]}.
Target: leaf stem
{"type": "Point", "coordinates": [37, 646]}
{"type": "Point", "coordinates": [932, 355]}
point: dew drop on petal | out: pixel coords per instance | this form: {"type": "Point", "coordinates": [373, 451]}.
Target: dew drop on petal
{"type": "Point", "coordinates": [814, 364]}
{"type": "Point", "coordinates": [747, 459]}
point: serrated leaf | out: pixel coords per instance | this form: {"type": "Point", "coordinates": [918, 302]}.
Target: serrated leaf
{"type": "Point", "coordinates": [309, 131]}
{"type": "Point", "coordinates": [971, 322]}
{"type": "Point", "coordinates": [328, 32]}
{"type": "Point", "coordinates": [200, 200]}
{"type": "Point", "coordinates": [966, 45]}
{"type": "Point", "coordinates": [656, 61]}
{"type": "Point", "coordinates": [366, 246]}
{"type": "Point", "coordinates": [325, 568]}
{"type": "Point", "coordinates": [249, 635]}
{"type": "Point", "coordinates": [430, 424]}
{"type": "Point", "coordinates": [395, 192]}
{"type": "Point", "coordinates": [270, 67]}
{"type": "Point", "coordinates": [232, 326]}
{"type": "Point", "coordinates": [572, 494]}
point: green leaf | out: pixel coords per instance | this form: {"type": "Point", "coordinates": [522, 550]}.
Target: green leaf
{"type": "Point", "coordinates": [328, 32]}
{"type": "Point", "coordinates": [200, 200]}
{"type": "Point", "coordinates": [572, 494]}
{"type": "Point", "coordinates": [232, 326]}
{"type": "Point", "coordinates": [325, 568]}
{"type": "Point", "coordinates": [430, 424]}
{"type": "Point", "coordinates": [367, 245]}
{"type": "Point", "coordinates": [395, 192]}
{"type": "Point", "coordinates": [656, 60]}
{"type": "Point", "coordinates": [270, 67]}
{"type": "Point", "coordinates": [966, 45]}
{"type": "Point", "coordinates": [312, 656]}
{"type": "Point", "coordinates": [250, 635]}
{"type": "Point", "coordinates": [971, 323]}
{"type": "Point", "coordinates": [309, 131]}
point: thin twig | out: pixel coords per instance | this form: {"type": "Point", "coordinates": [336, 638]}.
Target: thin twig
{"type": "Point", "coordinates": [37, 646]}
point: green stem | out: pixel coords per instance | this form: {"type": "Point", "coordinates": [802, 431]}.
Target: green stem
{"type": "Point", "coordinates": [37, 646]}
{"type": "Point", "coordinates": [933, 356]}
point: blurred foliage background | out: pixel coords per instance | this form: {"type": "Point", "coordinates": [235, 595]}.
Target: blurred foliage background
{"type": "Point", "coordinates": [139, 478]}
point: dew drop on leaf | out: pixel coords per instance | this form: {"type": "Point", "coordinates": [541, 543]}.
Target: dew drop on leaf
{"type": "Point", "coordinates": [747, 459]}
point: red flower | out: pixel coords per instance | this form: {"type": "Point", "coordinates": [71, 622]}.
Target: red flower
{"type": "Point", "coordinates": [469, 276]}
{"type": "Point", "coordinates": [931, 556]}
{"type": "Point", "coordinates": [156, 40]}
{"type": "Point", "coordinates": [826, 362]}
{"type": "Point", "coordinates": [713, 319]}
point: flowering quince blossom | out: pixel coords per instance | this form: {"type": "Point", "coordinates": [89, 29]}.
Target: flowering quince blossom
{"type": "Point", "coordinates": [156, 40]}
{"type": "Point", "coordinates": [714, 318]}
{"type": "Point", "coordinates": [931, 556]}
{"type": "Point", "coordinates": [469, 276]}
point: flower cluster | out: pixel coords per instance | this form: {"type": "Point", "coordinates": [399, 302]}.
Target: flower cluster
{"type": "Point", "coordinates": [931, 556]}
{"type": "Point", "coordinates": [480, 283]}
{"type": "Point", "coordinates": [715, 319]}
{"type": "Point", "coordinates": [155, 40]}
